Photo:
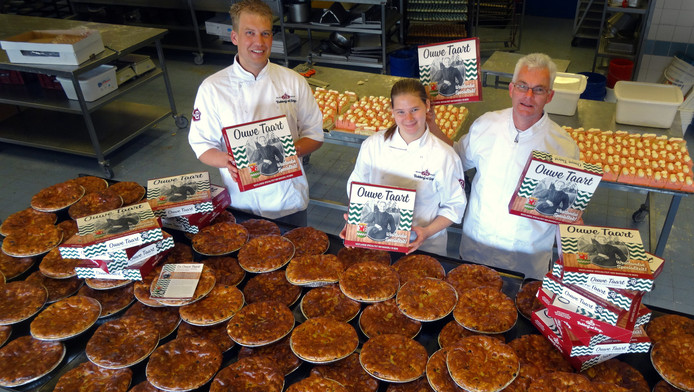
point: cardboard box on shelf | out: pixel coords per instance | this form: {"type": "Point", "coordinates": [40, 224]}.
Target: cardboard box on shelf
{"type": "Point", "coordinates": [66, 47]}
{"type": "Point", "coordinates": [138, 62]}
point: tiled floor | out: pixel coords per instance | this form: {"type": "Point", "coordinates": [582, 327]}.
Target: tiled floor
{"type": "Point", "coordinates": [164, 151]}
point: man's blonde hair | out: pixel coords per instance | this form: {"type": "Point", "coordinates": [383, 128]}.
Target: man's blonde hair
{"type": "Point", "coordinates": [257, 7]}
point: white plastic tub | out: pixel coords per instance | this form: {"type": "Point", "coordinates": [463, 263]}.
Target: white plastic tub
{"type": "Point", "coordinates": [94, 83]}
{"type": "Point", "coordinates": [568, 87]}
{"type": "Point", "coordinates": [647, 104]}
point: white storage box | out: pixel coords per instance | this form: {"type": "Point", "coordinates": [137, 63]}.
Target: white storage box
{"type": "Point", "coordinates": [94, 84]}
{"type": "Point", "coordinates": [219, 25]}
{"type": "Point", "coordinates": [647, 104]}
{"type": "Point", "coordinates": [68, 47]}
{"type": "Point", "coordinates": [568, 87]}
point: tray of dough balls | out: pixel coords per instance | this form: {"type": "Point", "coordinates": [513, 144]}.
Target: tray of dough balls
{"type": "Point", "coordinates": [343, 112]}
{"type": "Point", "coordinates": [637, 159]}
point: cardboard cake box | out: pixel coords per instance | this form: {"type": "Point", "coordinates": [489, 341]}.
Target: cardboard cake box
{"type": "Point", "coordinates": [591, 338]}
{"type": "Point", "coordinates": [554, 189]}
{"type": "Point", "coordinates": [563, 309]}
{"type": "Point", "coordinates": [180, 195]}
{"type": "Point", "coordinates": [379, 217]}
{"type": "Point", "coordinates": [112, 231]}
{"type": "Point", "coordinates": [592, 305]}
{"type": "Point", "coordinates": [135, 255]}
{"type": "Point", "coordinates": [620, 297]}
{"type": "Point", "coordinates": [264, 152]}
{"type": "Point", "coordinates": [549, 329]}
{"type": "Point", "coordinates": [606, 256]}
{"type": "Point", "coordinates": [137, 271]}
{"type": "Point", "coordinates": [639, 343]}
{"type": "Point", "coordinates": [68, 47]}
{"type": "Point", "coordinates": [194, 222]}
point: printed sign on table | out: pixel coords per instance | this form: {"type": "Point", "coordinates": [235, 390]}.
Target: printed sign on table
{"type": "Point", "coordinates": [450, 71]}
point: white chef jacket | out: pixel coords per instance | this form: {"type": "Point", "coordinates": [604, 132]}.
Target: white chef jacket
{"type": "Point", "coordinates": [235, 96]}
{"type": "Point", "coordinates": [427, 165]}
{"type": "Point", "coordinates": [491, 235]}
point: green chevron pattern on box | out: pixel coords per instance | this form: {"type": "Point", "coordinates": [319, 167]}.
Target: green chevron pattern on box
{"type": "Point", "coordinates": [406, 217]}
{"type": "Point", "coordinates": [637, 252]}
{"type": "Point", "coordinates": [527, 187]}
{"type": "Point", "coordinates": [470, 69]}
{"type": "Point", "coordinates": [288, 145]}
{"type": "Point", "coordinates": [620, 300]}
{"type": "Point", "coordinates": [355, 210]}
{"type": "Point", "coordinates": [240, 156]}
{"type": "Point", "coordinates": [569, 245]}
{"type": "Point", "coordinates": [582, 199]}
{"type": "Point", "coordinates": [592, 167]}
{"type": "Point", "coordinates": [425, 74]}
{"type": "Point", "coordinates": [542, 155]}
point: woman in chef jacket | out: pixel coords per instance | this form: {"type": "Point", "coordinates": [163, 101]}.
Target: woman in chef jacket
{"type": "Point", "coordinates": [408, 155]}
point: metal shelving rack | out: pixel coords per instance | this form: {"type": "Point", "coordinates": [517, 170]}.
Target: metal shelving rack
{"type": "Point", "coordinates": [497, 23]}
{"type": "Point", "coordinates": [432, 21]}
{"type": "Point", "coordinates": [48, 120]}
{"type": "Point", "coordinates": [587, 20]}
{"type": "Point", "coordinates": [390, 19]}
{"type": "Point", "coordinates": [603, 49]}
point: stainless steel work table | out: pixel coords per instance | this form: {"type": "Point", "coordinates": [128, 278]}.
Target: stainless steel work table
{"type": "Point", "coordinates": [589, 114]}
{"type": "Point", "coordinates": [49, 120]}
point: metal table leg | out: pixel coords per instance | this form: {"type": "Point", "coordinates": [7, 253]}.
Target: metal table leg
{"type": "Point", "coordinates": [667, 226]}
{"type": "Point", "coordinates": [181, 121]}
{"type": "Point", "coordinates": [90, 128]}
{"type": "Point", "coordinates": [198, 59]}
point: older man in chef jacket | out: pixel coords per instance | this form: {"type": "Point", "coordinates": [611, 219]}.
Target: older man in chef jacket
{"type": "Point", "coordinates": [252, 89]}
{"type": "Point", "coordinates": [498, 146]}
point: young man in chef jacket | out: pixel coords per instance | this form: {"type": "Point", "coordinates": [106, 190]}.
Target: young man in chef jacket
{"type": "Point", "coordinates": [498, 146]}
{"type": "Point", "coordinates": [252, 89]}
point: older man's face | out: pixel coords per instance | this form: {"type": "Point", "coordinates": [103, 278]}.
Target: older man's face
{"type": "Point", "coordinates": [528, 104]}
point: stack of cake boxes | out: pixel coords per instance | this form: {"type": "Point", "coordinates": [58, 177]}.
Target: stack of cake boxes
{"type": "Point", "coordinates": [593, 294]}
{"type": "Point", "coordinates": [186, 202]}
{"type": "Point", "coordinates": [125, 243]}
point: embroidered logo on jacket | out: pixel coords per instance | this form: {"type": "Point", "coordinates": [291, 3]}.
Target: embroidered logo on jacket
{"type": "Point", "coordinates": [196, 115]}
{"type": "Point", "coordinates": [424, 175]}
{"type": "Point", "coordinates": [286, 98]}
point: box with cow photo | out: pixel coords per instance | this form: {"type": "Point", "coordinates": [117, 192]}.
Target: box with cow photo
{"type": "Point", "coordinates": [606, 256]}
{"type": "Point", "coordinates": [180, 195]}
{"type": "Point", "coordinates": [379, 217]}
{"type": "Point", "coordinates": [113, 231]}
{"type": "Point", "coordinates": [554, 189]}
{"type": "Point", "coordinates": [264, 152]}
{"type": "Point", "coordinates": [194, 222]}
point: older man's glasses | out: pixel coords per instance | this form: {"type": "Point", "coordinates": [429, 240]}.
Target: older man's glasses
{"type": "Point", "coordinates": [523, 88]}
